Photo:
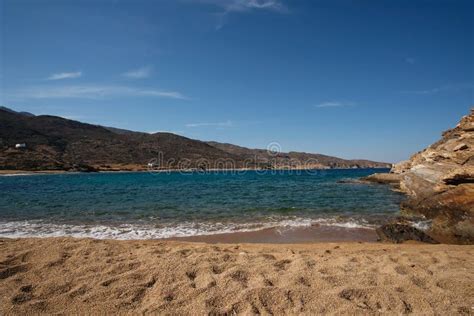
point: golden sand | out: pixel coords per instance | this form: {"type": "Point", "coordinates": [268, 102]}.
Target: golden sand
{"type": "Point", "coordinates": [83, 276]}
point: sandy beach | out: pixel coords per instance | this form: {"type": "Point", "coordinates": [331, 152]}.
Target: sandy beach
{"type": "Point", "coordinates": [82, 276]}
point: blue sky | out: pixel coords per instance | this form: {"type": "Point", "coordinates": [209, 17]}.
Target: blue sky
{"type": "Point", "coordinates": [355, 79]}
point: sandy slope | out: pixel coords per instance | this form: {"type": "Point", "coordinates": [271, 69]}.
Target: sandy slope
{"type": "Point", "coordinates": [64, 275]}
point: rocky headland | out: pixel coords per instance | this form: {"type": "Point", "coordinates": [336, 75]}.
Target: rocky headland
{"type": "Point", "coordinates": [439, 183]}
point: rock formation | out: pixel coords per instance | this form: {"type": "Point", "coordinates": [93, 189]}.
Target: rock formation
{"type": "Point", "coordinates": [439, 183]}
{"type": "Point", "coordinates": [398, 233]}
{"type": "Point", "coordinates": [392, 179]}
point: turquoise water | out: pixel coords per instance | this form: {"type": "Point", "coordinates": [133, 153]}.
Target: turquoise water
{"type": "Point", "coordinates": [160, 205]}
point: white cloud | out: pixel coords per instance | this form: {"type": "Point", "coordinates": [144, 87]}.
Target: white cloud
{"type": "Point", "coordinates": [427, 91]}
{"type": "Point", "coordinates": [71, 117]}
{"type": "Point", "coordinates": [162, 94]}
{"type": "Point", "coordinates": [410, 60]}
{"type": "Point", "coordinates": [65, 75]}
{"type": "Point", "coordinates": [140, 73]}
{"type": "Point", "coordinates": [166, 131]}
{"type": "Point", "coordinates": [239, 6]}
{"type": "Point", "coordinates": [92, 92]}
{"type": "Point", "coordinates": [445, 88]}
{"type": "Point", "coordinates": [246, 5]}
{"type": "Point", "coordinates": [218, 124]}
{"type": "Point", "coordinates": [334, 104]}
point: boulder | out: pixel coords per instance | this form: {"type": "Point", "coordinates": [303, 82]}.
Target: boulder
{"type": "Point", "coordinates": [399, 233]}
{"type": "Point", "coordinates": [391, 179]}
{"type": "Point", "coordinates": [382, 178]}
{"type": "Point", "coordinates": [401, 167]}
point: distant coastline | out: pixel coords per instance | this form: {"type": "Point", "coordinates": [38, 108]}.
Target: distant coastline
{"type": "Point", "coordinates": [52, 172]}
{"type": "Point", "coordinates": [44, 142]}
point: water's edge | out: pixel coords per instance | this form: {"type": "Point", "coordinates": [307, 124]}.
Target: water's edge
{"type": "Point", "coordinates": [139, 205]}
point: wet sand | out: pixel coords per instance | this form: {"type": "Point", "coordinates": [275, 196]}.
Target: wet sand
{"type": "Point", "coordinates": [288, 235]}
{"type": "Point", "coordinates": [87, 276]}
{"type": "Point", "coordinates": [27, 173]}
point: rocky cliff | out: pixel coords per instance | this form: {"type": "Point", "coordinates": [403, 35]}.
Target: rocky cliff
{"type": "Point", "coordinates": [439, 182]}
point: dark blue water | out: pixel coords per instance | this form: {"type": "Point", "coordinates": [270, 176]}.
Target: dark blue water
{"type": "Point", "coordinates": [145, 205]}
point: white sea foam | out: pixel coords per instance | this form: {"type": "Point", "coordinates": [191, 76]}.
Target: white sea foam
{"type": "Point", "coordinates": [348, 223]}
{"type": "Point", "coordinates": [16, 174]}
{"type": "Point", "coordinates": [24, 229]}
{"type": "Point", "coordinates": [421, 224]}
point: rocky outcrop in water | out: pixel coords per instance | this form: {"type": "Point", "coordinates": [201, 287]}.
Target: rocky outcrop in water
{"type": "Point", "coordinates": [391, 179]}
{"type": "Point", "coordinates": [396, 232]}
{"type": "Point", "coordinates": [439, 182]}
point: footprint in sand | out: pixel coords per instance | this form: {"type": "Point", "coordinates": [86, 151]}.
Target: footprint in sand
{"type": "Point", "coordinates": [282, 264]}
{"type": "Point", "coordinates": [358, 296]}
{"type": "Point", "coordinates": [191, 275]}
{"type": "Point", "coordinates": [11, 271]}
{"type": "Point", "coordinates": [310, 263]}
{"type": "Point", "coordinates": [267, 282]}
{"type": "Point", "coordinates": [25, 294]}
{"type": "Point", "coordinates": [108, 282]}
{"type": "Point", "coordinates": [185, 252]}
{"type": "Point", "coordinates": [303, 281]}
{"type": "Point", "coordinates": [168, 297]}
{"type": "Point", "coordinates": [268, 256]}
{"type": "Point", "coordinates": [26, 288]}
{"type": "Point", "coordinates": [21, 298]}
{"type": "Point", "coordinates": [401, 270]}
{"type": "Point", "coordinates": [82, 290]}
{"type": "Point", "coordinates": [240, 276]}
{"type": "Point", "coordinates": [217, 269]}
{"type": "Point", "coordinates": [419, 282]}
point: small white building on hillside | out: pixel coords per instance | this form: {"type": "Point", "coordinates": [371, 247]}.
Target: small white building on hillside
{"type": "Point", "coordinates": [21, 145]}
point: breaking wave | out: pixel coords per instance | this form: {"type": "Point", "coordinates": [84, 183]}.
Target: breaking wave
{"type": "Point", "coordinates": [38, 228]}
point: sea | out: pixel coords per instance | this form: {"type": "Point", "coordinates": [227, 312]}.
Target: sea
{"type": "Point", "coordinates": [157, 205]}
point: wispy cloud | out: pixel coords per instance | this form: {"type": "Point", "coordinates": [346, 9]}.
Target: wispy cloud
{"type": "Point", "coordinates": [218, 124]}
{"type": "Point", "coordinates": [239, 6]}
{"type": "Point", "coordinates": [444, 88]}
{"type": "Point", "coordinates": [92, 92]}
{"type": "Point", "coordinates": [65, 75]}
{"type": "Point", "coordinates": [335, 104]}
{"type": "Point", "coordinates": [71, 117]}
{"type": "Point", "coordinates": [410, 60]}
{"type": "Point", "coordinates": [140, 73]}
{"type": "Point", "coordinates": [166, 131]}
{"type": "Point", "coordinates": [247, 5]}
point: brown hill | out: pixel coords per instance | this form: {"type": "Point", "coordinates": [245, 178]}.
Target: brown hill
{"type": "Point", "coordinates": [295, 159]}
{"type": "Point", "coordinates": [55, 143]}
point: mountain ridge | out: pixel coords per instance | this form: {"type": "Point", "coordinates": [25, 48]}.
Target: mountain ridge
{"type": "Point", "coordinates": [56, 143]}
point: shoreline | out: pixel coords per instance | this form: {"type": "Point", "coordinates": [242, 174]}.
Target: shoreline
{"type": "Point", "coordinates": [287, 235]}
{"type": "Point", "coordinates": [52, 172]}
{"type": "Point", "coordinates": [315, 233]}
{"type": "Point", "coordinates": [83, 276]}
